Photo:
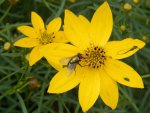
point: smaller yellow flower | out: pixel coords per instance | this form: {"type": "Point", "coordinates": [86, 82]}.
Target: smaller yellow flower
{"type": "Point", "coordinates": [7, 45]}
{"type": "Point", "coordinates": [127, 7]}
{"type": "Point", "coordinates": [136, 1]}
{"type": "Point", "coordinates": [38, 36]}
{"type": "Point", "coordinates": [122, 28]}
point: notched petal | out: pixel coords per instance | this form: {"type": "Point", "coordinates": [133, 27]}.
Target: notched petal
{"type": "Point", "coordinates": [124, 48]}
{"type": "Point", "coordinates": [123, 74]}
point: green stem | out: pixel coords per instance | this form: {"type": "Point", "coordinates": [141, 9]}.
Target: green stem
{"type": "Point", "coordinates": [42, 91]}
{"type": "Point", "coordinates": [130, 100]}
{"type": "Point", "coordinates": [9, 75]}
{"type": "Point", "coordinates": [24, 109]}
{"type": "Point", "coordinates": [49, 8]}
{"type": "Point", "coordinates": [61, 100]}
{"type": "Point", "coordinates": [146, 76]}
{"type": "Point", "coordinates": [61, 8]}
{"type": "Point", "coordinates": [5, 14]}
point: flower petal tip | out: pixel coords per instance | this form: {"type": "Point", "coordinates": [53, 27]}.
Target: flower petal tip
{"type": "Point", "coordinates": [141, 44]}
{"type": "Point", "coordinates": [113, 107]}
{"type": "Point", "coordinates": [67, 12]}
{"type": "Point", "coordinates": [30, 63]}
{"type": "Point", "coordinates": [106, 4]}
{"type": "Point", "coordinates": [51, 90]}
{"type": "Point", "coordinates": [19, 28]}
{"type": "Point", "coordinates": [58, 18]}
{"type": "Point", "coordinates": [15, 44]}
{"type": "Point", "coordinates": [33, 13]}
{"type": "Point", "coordinates": [141, 85]}
{"type": "Point", "coordinates": [84, 109]}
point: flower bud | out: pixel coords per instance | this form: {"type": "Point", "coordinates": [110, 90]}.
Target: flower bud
{"type": "Point", "coordinates": [7, 45]}
{"type": "Point", "coordinates": [34, 83]}
{"type": "Point", "coordinates": [122, 28]}
{"type": "Point", "coordinates": [136, 1]}
{"type": "Point", "coordinates": [72, 1]}
{"type": "Point", "coordinates": [13, 2]}
{"type": "Point", "coordinates": [127, 7]}
{"type": "Point", "coordinates": [27, 56]}
{"type": "Point", "coordinates": [144, 38]}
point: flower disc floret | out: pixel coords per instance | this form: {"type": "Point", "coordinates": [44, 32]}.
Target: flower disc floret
{"type": "Point", "coordinates": [46, 38]}
{"type": "Point", "coordinates": [93, 57]}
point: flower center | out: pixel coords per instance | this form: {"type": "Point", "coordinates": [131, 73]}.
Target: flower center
{"type": "Point", "coordinates": [93, 57]}
{"type": "Point", "coordinates": [46, 38]}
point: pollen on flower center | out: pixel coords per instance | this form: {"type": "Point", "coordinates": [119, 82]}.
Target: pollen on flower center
{"type": "Point", "coordinates": [46, 38]}
{"type": "Point", "coordinates": [93, 57]}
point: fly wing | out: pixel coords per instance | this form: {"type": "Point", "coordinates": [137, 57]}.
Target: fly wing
{"type": "Point", "coordinates": [71, 68]}
{"type": "Point", "coordinates": [65, 61]}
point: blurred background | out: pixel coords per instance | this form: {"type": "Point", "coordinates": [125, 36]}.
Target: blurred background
{"type": "Point", "coordinates": [23, 89]}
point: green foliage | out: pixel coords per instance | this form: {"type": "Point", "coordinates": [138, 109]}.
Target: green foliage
{"type": "Point", "coordinates": [17, 94]}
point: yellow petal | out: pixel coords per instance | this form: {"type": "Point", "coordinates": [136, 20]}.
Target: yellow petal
{"type": "Point", "coordinates": [54, 25]}
{"type": "Point", "coordinates": [89, 89]}
{"type": "Point", "coordinates": [75, 30]}
{"type": "Point", "coordinates": [101, 24]}
{"type": "Point", "coordinates": [61, 82]}
{"type": "Point", "coordinates": [59, 50]}
{"type": "Point", "coordinates": [60, 37]}
{"type": "Point", "coordinates": [54, 62]}
{"type": "Point", "coordinates": [124, 48]}
{"type": "Point", "coordinates": [84, 21]}
{"type": "Point", "coordinates": [28, 31]}
{"type": "Point", "coordinates": [35, 55]}
{"type": "Point", "coordinates": [108, 90]}
{"type": "Point", "coordinates": [123, 73]}
{"type": "Point", "coordinates": [26, 42]}
{"type": "Point", "coordinates": [37, 21]}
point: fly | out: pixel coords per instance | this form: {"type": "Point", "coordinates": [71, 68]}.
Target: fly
{"type": "Point", "coordinates": [71, 63]}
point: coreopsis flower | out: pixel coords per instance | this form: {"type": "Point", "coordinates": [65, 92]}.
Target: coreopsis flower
{"type": "Point", "coordinates": [38, 36]}
{"type": "Point", "coordinates": [94, 63]}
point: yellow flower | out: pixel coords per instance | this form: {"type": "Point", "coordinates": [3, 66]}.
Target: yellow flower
{"type": "Point", "coordinates": [94, 60]}
{"type": "Point", "coordinates": [37, 36]}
